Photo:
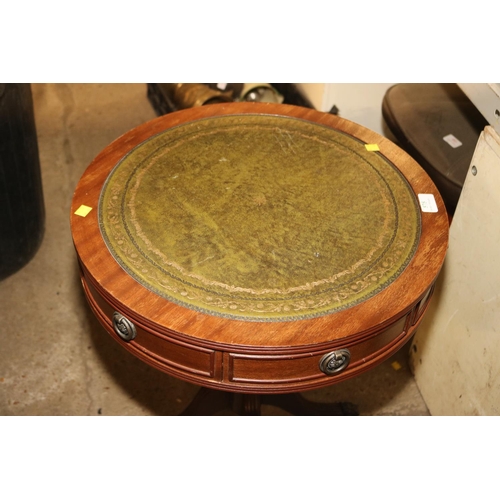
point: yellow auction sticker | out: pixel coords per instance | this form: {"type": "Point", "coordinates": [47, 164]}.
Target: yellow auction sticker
{"type": "Point", "coordinates": [83, 211]}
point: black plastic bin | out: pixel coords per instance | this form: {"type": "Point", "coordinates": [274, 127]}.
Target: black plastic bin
{"type": "Point", "coordinates": [22, 211]}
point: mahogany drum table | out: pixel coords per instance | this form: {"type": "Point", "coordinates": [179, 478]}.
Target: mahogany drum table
{"type": "Point", "coordinates": [258, 249]}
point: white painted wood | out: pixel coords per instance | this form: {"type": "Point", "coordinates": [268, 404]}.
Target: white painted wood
{"type": "Point", "coordinates": [486, 98]}
{"type": "Point", "coordinates": [358, 102]}
{"type": "Point", "coordinates": [456, 351]}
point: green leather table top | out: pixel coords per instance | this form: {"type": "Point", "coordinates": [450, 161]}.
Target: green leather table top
{"type": "Point", "coordinates": [259, 217]}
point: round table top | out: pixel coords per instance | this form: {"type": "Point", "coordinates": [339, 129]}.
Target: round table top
{"type": "Point", "coordinates": [263, 225]}
{"type": "Point", "coordinates": [259, 217]}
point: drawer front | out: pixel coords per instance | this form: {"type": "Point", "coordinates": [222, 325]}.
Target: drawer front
{"type": "Point", "coordinates": [299, 369]}
{"type": "Point", "coordinates": [247, 371]}
{"type": "Point", "coordinates": [172, 356]}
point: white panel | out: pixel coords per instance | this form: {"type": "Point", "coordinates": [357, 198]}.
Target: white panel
{"type": "Point", "coordinates": [456, 351]}
{"type": "Point", "coordinates": [486, 98]}
{"type": "Point", "coordinates": [358, 102]}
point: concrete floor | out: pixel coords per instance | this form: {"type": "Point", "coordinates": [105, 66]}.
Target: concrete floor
{"type": "Point", "coordinates": [55, 358]}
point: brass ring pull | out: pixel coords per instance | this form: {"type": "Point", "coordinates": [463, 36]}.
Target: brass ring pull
{"type": "Point", "coordinates": [124, 328]}
{"type": "Point", "coordinates": [335, 362]}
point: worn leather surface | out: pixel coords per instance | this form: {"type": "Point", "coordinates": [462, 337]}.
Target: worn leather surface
{"type": "Point", "coordinates": [259, 217]}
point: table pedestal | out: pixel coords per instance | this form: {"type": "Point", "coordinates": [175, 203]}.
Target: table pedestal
{"type": "Point", "coordinates": [210, 401]}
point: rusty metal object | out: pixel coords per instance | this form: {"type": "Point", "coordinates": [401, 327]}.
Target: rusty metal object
{"type": "Point", "coordinates": [190, 95]}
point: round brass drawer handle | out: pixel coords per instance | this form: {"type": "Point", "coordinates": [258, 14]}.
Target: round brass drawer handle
{"type": "Point", "coordinates": [335, 362]}
{"type": "Point", "coordinates": [124, 328]}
